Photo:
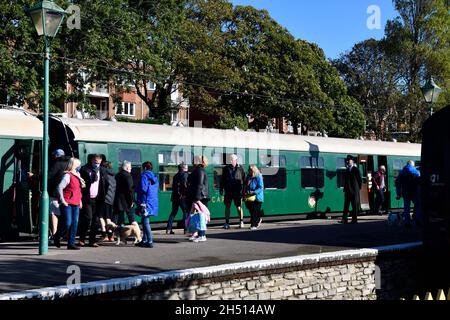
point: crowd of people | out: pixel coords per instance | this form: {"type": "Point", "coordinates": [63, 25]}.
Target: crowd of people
{"type": "Point", "coordinates": [407, 185]}
{"type": "Point", "coordinates": [91, 199]}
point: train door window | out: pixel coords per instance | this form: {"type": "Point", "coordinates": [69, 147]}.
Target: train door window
{"type": "Point", "coordinates": [312, 172]}
{"type": "Point", "coordinates": [168, 166]}
{"type": "Point", "coordinates": [273, 169]}
{"type": "Point", "coordinates": [397, 167]}
{"type": "Point", "coordinates": [219, 161]}
{"type": "Point", "coordinates": [340, 172]}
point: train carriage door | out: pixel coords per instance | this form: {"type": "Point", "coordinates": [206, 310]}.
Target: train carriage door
{"type": "Point", "coordinates": [24, 186]}
{"type": "Point", "coordinates": [365, 164]}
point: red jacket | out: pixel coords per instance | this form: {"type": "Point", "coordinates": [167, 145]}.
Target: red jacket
{"type": "Point", "coordinates": [72, 193]}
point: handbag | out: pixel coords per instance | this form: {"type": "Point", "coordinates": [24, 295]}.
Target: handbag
{"type": "Point", "coordinates": [250, 198]}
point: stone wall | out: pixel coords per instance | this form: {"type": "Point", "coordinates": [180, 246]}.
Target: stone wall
{"type": "Point", "coordinates": [366, 274]}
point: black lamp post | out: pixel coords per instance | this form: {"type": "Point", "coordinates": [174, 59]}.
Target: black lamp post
{"type": "Point", "coordinates": [431, 93]}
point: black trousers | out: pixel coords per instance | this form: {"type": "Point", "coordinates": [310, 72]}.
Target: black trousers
{"type": "Point", "coordinates": [88, 219]}
{"type": "Point", "coordinates": [175, 205]}
{"type": "Point", "coordinates": [255, 212]}
{"type": "Point", "coordinates": [354, 201]}
{"type": "Point", "coordinates": [379, 201]}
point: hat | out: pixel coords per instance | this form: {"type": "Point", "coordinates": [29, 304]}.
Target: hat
{"type": "Point", "coordinates": [58, 153]}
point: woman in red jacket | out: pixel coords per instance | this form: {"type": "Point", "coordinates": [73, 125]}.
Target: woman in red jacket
{"type": "Point", "coordinates": [69, 191]}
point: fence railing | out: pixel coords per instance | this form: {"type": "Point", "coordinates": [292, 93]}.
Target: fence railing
{"type": "Point", "coordinates": [439, 297]}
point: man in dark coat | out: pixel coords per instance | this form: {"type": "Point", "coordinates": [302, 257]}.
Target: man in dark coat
{"type": "Point", "coordinates": [93, 197]}
{"type": "Point", "coordinates": [124, 198]}
{"type": "Point", "coordinates": [178, 198]}
{"type": "Point", "coordinates": [198, 189]}
{"type": "Point", "coordinates": [232, 183]}
{"type": "Point", "coordinates": [352, 187]}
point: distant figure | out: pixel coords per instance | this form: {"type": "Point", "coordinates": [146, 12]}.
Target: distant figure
{"type": "Point", "coordinates": [254, 196]}
{"type": "Point", "coordinates": [147, 198]}
{"type": "Point", "coordinates": [57, 166]}
{"type": "Point", "coordinates": [124, 198]}
{"type": "Point", "coordinates": [106, 213]}
{"type": "Point", "coordinates": [379, 184]}
{"type": "Point", "coordinates": [352, 187]}
{"type": "Point", "coordinates": [232, 183]}
{"type": "Point", "coordinates": [198, 190]}
{"type": "Point", "coordinates": [178, 198]}
{"type": "Point", "coordinates": [406, 186]}
{"type": "Point", "coordinates": [69, 190]}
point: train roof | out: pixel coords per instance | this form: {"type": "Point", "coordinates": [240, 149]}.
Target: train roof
{"type": "Point", "coordinates": [109, 131]}
{"type": "Point", "coordinates": [16, 123]}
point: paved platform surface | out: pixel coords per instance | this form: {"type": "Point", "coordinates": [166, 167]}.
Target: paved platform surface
{"type": "Point", "coordinates": [21, 268]}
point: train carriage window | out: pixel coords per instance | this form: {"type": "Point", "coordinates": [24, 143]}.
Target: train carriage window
{"type": "Point", "coordinates": [312, 172]}
{"type": "Point", "coordinates": [168, 166]}
{"type": "Point", "coordinates": [219, 161]}
{"type": "Point", "coordinates": [397, 167]}
{"type": "Point", "coordinates": [132, 155]}
{"type": "Point", "coordinates": [273, 169]}
{"type": "Point", "coordinates": [340, 172]}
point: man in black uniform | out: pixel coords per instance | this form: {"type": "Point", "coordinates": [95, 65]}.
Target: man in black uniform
{"type": "Point", "coordinates": [178, 198]}
{"type": "Point", "coordinates": [352, 187]}
{"type": "Point", "coordinates": [232, 182]}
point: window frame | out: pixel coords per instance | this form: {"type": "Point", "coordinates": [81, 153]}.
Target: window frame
{"type": "Point", "coordinates": [127, 114]}
{"type": "Point", "coordinates": [315, 165]}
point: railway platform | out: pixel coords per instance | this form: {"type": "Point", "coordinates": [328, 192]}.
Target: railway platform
{"type": "Point", "coordinates": [21, 268]}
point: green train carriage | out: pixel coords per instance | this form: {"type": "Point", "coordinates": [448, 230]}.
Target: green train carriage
{"type": "Point", "coordinates": [303, 175]}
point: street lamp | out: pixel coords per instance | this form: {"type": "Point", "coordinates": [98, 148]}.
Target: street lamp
{"type": "Point", "coordinates": [47, 18]}
{"type": "Point", "coordinates": [431, 93]}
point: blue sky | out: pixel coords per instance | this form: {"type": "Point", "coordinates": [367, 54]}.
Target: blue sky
{"type": "Point", "coordinates": [335, 25]}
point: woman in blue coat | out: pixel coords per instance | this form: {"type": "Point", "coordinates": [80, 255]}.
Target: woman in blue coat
{"type": "Point", "coordinates": [254, 196]}
{"type": "Point", "coordinates": [147, 199]}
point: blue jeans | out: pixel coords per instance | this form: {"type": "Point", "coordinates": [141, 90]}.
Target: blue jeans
{"type": "Point", "coordinates": [406, 210]}
{"type": "Point", "coordinates": [71, 214]}
{"type": "Point", "coordinates": [175, 204]}
{"type": "Point", "coordinates": [147, 230]}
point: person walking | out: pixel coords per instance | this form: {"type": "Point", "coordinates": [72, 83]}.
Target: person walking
{"type": "Point", "coordinates": [406, 187]}
{"type": "Point", "coordinates": [93, 198]}
{"type": "Point", "coordinates": [69, 191]}
{"type": "Point", "coordinates": [198, 190]}
{"type": "Point", "coordinates": [124, 197]}
{"type": "Point", "coordinates": [147, 197]}
{"type": "Point", "coordinates": [232, 182]}
{"type": "Point", "coordinates": [254, 196]}
{"type": "Point", "coordinates": [352, 187]}
{"type": "Point", "coordinates": [178, 198]}
{"type": "Point", "coordinates": [379, 184]}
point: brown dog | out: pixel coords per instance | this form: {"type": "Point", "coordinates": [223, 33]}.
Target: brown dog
{"type": "Point", "coordinates": [123, 233]}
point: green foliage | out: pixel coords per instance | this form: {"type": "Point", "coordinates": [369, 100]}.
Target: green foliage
{"type": "Point", "coordinates": [386, 76]}
{"type": "Point", "coordinates": [231, 62]}
{"type": "Point", "coordinates": [145, 121]}
{"type": "Point", "coordinates": [232, 122]}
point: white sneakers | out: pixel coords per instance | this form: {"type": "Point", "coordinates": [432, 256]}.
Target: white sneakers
{"type": "Point", "coordinates": [259, 223]}
{"type": "Point", "coordinates": [253, 228]}
{"type": "Point", "coordinates": [242, 225]}
{"type": "Point", "coordinates": [200, 239]}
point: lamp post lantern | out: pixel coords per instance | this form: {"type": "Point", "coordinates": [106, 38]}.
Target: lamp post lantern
{"type": "Point", "coordinates": [431, 93]}
{"type": "Point", "coordinates": [47, 18]}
